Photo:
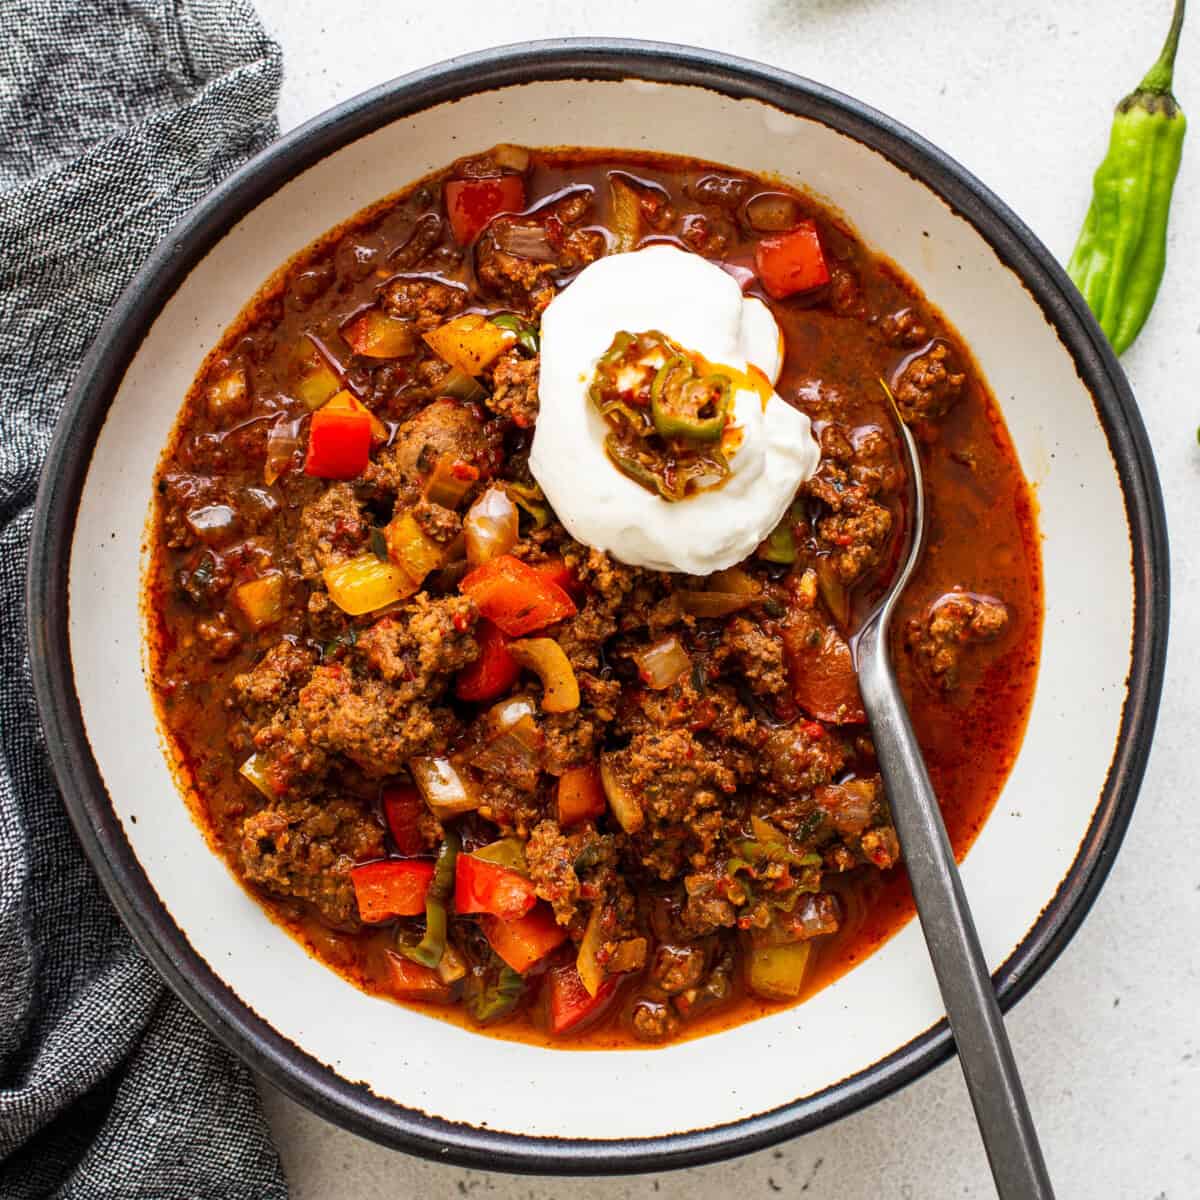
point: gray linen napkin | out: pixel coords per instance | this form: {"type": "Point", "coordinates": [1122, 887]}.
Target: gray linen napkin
{"type": "Point", "coordinates": [115, 117]}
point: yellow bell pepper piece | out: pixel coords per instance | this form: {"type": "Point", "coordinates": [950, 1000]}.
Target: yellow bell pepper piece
{"type": "Point", "coordinates": [777, 972]}
{"type": "Point", "coordinates": [366, 583]}
{"type": "Point", "coordinates": [374, 334]}
{"type": "Point", "coordinates": [470, 343]}
{"type": "Point", "coordinates": [350, 402]}
{"type": "Point", "coordinates": [412, 549]}
{"type": "Point", "coordinates": [317, 386]}
{"type": "Point", "coordinates": [547, 659]}
{"type": "Point", "coordinates": [261, 599]}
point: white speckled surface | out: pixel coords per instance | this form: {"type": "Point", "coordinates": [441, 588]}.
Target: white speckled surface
{"type": "Point", "coordinates": [1109, 1041]}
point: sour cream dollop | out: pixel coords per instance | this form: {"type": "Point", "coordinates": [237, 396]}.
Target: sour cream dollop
{"type": "Point", "coordinates": [700, 307]}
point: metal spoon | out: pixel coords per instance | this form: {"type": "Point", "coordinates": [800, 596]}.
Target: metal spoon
{"type": "Point", "coordinates": [1001, 1110]}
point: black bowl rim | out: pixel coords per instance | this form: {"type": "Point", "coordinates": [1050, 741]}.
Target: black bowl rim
{"type": "Point", "coordinates": [283, 1063]}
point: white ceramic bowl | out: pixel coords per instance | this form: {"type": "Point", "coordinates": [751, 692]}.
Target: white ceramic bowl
{"type": "Point", "coordinates": [431, 1087]}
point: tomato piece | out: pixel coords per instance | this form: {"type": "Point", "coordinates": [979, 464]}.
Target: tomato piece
{"type": "Point", "coordinates": [391, 887]}
{"type": "Point", "coordinates": [472, 203]}
{"type": "Point", "coordinates": [487, 887]}
{"type": "Point", "coordinates": [339, 443]}
{"type": "Point", "coordinates": [580, 795]}
{"type": "Point", "coordinates": [791, 262]}
{"type": "Point", "coordinates": [493, 672]}
{"type": "Point", "coordinates": [569, 1003]}
{"type": "Point", "coordinates": [525, 941]}
{"type": "Point", "coordinates": [513, 595]}
{"type": "Point", "coordinates": [403, 809]}
{"type": "Point", "coordinates": [411, 981]}
{"type": "Point", "coordinates": [824, 682]}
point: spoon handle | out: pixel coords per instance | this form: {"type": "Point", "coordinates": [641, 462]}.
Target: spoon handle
{"type": "Point", "coordinates": [987, 1060]}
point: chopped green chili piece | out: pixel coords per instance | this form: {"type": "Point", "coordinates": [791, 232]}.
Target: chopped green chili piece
{"type": "Point", "coordinates": [527, 333]}
{"type": "Point", "coordinates": [429, 950]}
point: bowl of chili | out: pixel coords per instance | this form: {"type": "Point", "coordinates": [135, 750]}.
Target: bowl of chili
{"type": "Point", "coordinates": [436, 1088]}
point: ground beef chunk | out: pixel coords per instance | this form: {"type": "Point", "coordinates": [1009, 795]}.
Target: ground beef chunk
{"type": "Point", "coordinates": [415, 651]}
{"type": "Point", "coordinates": [952, 623]}
{"type": "Point", "coordinates": [275, 678]}
{"type": "Point", "coordinates": [510, 804]}
{"type": "Point", "coordinates": [799, 758]}
{"type": "Point", "coordinates": [680, 783]}
{"type": "Point", "coordinates": [571, 738]}
{"type": "Point", "coordinates": [426, 302]}
{"type": "Point", "coordinates": [445, 427]}
{"type": "Point", "coordinates": [515, 389]}
{"type": "Point", "coordinates": [333, 528]}
{"type": "Point", "coordinates": [929, 385]}
{"type": "Point", "coordinates": [562, 865]}
{"type": "Point", "coordinates": [756, 656]}
{"type": "Point", "coordinates": [523, 284]}
{"type": "Point", "coordinates": [371, 722]}
{"type": "Point", "coordinates": [676, 968]}
{"type": "Point", "coordinates": [305, 851]}
{"type": "Point", "coordinates": [652, 1020]}
{"type": "Point", "coordinates": [855, 542]}
{"type": "Point", "coordinates": [443, 525]}
{"type": "Point", "coordinates": [904, 328]}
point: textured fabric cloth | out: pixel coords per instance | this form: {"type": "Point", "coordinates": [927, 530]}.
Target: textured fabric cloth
{"type": "Point", "coordinates": [115, 117]}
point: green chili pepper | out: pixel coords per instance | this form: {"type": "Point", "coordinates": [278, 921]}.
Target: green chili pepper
{"type": "Point", "coordinates": [492, 994]}
{"type": "Point", "coordinates": [527, 333]}
{"type": "Point", "coordinates": [1121, 253]}
{"type": "Point", "coordinates": [532, 499]}
{"type": "Point", "coordinates": [776, 852]}
{"type": "Point", "coordinates": [507, 852]}
{"type": "Point", "coordinates": [678, 397]}
{"type": "Point", "coordinates": [429, 950]}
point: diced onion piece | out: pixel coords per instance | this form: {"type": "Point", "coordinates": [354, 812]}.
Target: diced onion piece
{"type": "Point", "coordinates": [626, 219]}
{"type": "Point", "coordinates": [624, 804]}
{"type": "Point", "coordinates": [510, 157]}
{"type": "Point", "coordinates": [374, 334]}
{"type": "Point", "coordinates": [366, 583]}
{"type": "Point", "coordinates": [772, 212]}
{"type": "Point", "coordinates": [508, 713]}
{"type": "Point", "coordinates": [514, 740]}
{"type": "Point", "coordinates": [317, 386]}
{"type": "Point", "coordinates": [261, 599]}
{"type": "Point", "coordinates": [445, 789]}
{"type": "Point", "coordinates": [547, 659]}
{"type": "Point", "coordinates": [491, 526]}
{"type": "Point", "coordinates": [470, 343]}
{"type": "Point", "coordinates": [282, 443]}
{"type": "Point", "coordinates": [849, 805]}
{"type": "Point", "coordinates": [590, 971]}
{"type": "Point", "coordinates": [254, 769]}
{"type": "Point", "coordinates": [412, 549]}
{"type": "Point", "coordinates": [663, 663]}
{"type": "Point", "coordinates": [777, 972]}
{"type": "Point", "coordinates": [726, 592]}
{"type": "Point", "coordinates": [524, 240]}
{"type": "Point", "coordinates": [453, 966]}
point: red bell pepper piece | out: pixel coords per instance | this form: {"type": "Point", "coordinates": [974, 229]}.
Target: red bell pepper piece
{"type": "Point", "coordinates": [472, 203]}
{"type": "Point", "coordinates": [791, 262]}
{"type": "Point", "coordinates": [513, 595]}
{"type": "Point", "coordinates": [487, 887]}
{"type": "Point", "coordinates": [403, 809]}
{"type": "Point", "coordinates": [411, 981]}
{"type": "Point", "coordinates": [557, 572]}
{"type": "Point", "coordinates": [391, 887]}
{"type": "Point", "coordinates": [580, 795]}
{"type": "Point", "coordinates": [339, 443]}
{"type": "Point", "coordinates": [821, 667]}
{"type": "Point", "coordinates": [569, 1003]}
{"type": "Point", "coordinates": [493, 672]}
{"type": "Point", "coordinates": [525, 941]}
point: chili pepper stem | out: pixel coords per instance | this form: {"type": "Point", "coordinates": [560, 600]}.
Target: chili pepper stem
{"type": "Point", "coordinates": [1161, 76]}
